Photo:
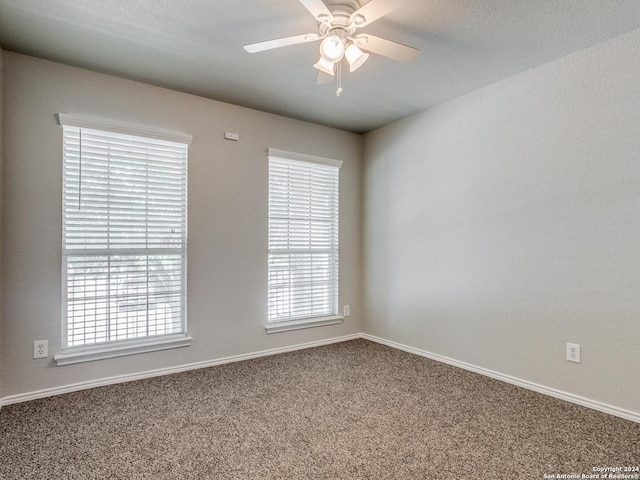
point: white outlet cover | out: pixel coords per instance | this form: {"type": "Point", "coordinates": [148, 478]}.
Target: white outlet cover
{"type": "Point", "coordinates": [41, 349]}
{"type": "Point", "coordinates": [573, 352]}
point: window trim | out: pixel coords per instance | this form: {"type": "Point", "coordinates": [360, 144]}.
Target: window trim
{"type": "Point", "coordinates": [289, 325]}
{"type": "Point", "coordinates": [95, 123]}
{"type": "Point", "coordinates": [308, 322]}
{"type": "Point", "coordinates": [121, 349]}
{"type": "Point", "coordinates": [303, 157]}
{"type": "Point", "coordinates": [118, 348]}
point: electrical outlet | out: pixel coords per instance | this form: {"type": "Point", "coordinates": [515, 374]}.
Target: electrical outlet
{"type": "Point", "coordinates": [573, 352]}
{"type": "Point", "coordinates": [41, 349]}
{"type": "Point", "coordinates": [346, 311]}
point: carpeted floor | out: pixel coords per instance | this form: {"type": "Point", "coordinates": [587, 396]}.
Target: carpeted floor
{"type": "Point", "coordinates": [353, 410]}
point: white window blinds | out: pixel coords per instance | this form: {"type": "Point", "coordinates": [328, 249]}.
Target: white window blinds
{"type": "Point", "coordinates": [303, 237]}
{"type": "Point", "coordinates": [124, 236]}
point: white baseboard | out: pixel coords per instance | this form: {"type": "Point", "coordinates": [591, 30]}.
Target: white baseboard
{"type": "Point", "coordinates": [552, 392]}
{"type": "Point", "coordinates": [585, 402]}
{"type": "Point", "coordinates": [75, 387]}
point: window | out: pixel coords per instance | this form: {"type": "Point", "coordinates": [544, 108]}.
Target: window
{"type": "Point", "coordinates": [303, 240]}
{"type": "Point", "coordinates": [124, 237]}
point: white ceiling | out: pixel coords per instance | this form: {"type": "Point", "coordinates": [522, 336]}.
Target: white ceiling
{"type": "Point", "coordinates": [195, 46]}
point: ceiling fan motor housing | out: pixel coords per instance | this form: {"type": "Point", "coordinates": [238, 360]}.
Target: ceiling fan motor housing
{"type": "Point", "coordinates": [341, 11]}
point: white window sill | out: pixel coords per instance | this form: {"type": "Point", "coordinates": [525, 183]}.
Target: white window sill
{"type": "Point", "coordinates": [277, 327]}
{"type": "Point", "coordinates": [69, 357]}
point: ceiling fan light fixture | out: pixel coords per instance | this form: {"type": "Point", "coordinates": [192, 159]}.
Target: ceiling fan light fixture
{"type": "Point", "coordinates": [325, 66]}
{"type": "Point", "coordinates": [355, 57]}
{"type": "Point", "coordinates": [332, 49]}
{"type": "Point", "coordinates": [338, 22]}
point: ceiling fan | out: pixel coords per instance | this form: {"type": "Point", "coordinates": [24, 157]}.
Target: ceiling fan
{"type": "Point", "coordinates": [338, 23]}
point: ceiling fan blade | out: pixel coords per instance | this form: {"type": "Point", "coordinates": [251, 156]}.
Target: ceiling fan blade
{"type": "Point", "coordinates": [372, 11]}
{"type": "Point", "coordinates": [324, 78]}
{"type": "Point", "coordinates": [319, 10]}
{"type": "Point", "coordinates": [281, 42]}
{"type": "Point", "coordinates": [386, 48]}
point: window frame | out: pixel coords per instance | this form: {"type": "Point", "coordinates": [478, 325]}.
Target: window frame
{"type": "Point", "coordinates": [329, 318]}
{"type": "Point", "coordinates": [137, 344]}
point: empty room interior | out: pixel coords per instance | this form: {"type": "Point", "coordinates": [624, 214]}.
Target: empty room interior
{"type": "Point", "coordinates": [382, 239]}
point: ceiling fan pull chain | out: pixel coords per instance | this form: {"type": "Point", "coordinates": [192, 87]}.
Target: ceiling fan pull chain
{"type": "Point", "coordinates": [339, 89]}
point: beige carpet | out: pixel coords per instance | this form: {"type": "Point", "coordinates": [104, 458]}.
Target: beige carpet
{"type": "Point", "coordinates": [345, 411]}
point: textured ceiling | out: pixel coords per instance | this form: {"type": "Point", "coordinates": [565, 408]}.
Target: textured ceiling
{"type": "Point", "coordinates": [195, 46]}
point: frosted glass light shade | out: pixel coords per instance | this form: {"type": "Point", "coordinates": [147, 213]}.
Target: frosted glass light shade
{"type": "Point", "coordinates": [332, 48]}
{"type": "Point", "coordinates": [325, 66]}
{"type": "Point", "coordinates": [355, 57]}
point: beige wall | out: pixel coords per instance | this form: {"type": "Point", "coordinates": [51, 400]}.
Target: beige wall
{"type": "Point", "coordinates": [505, 223]}
{"type": "Point", "coordinates": [227, 217]}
